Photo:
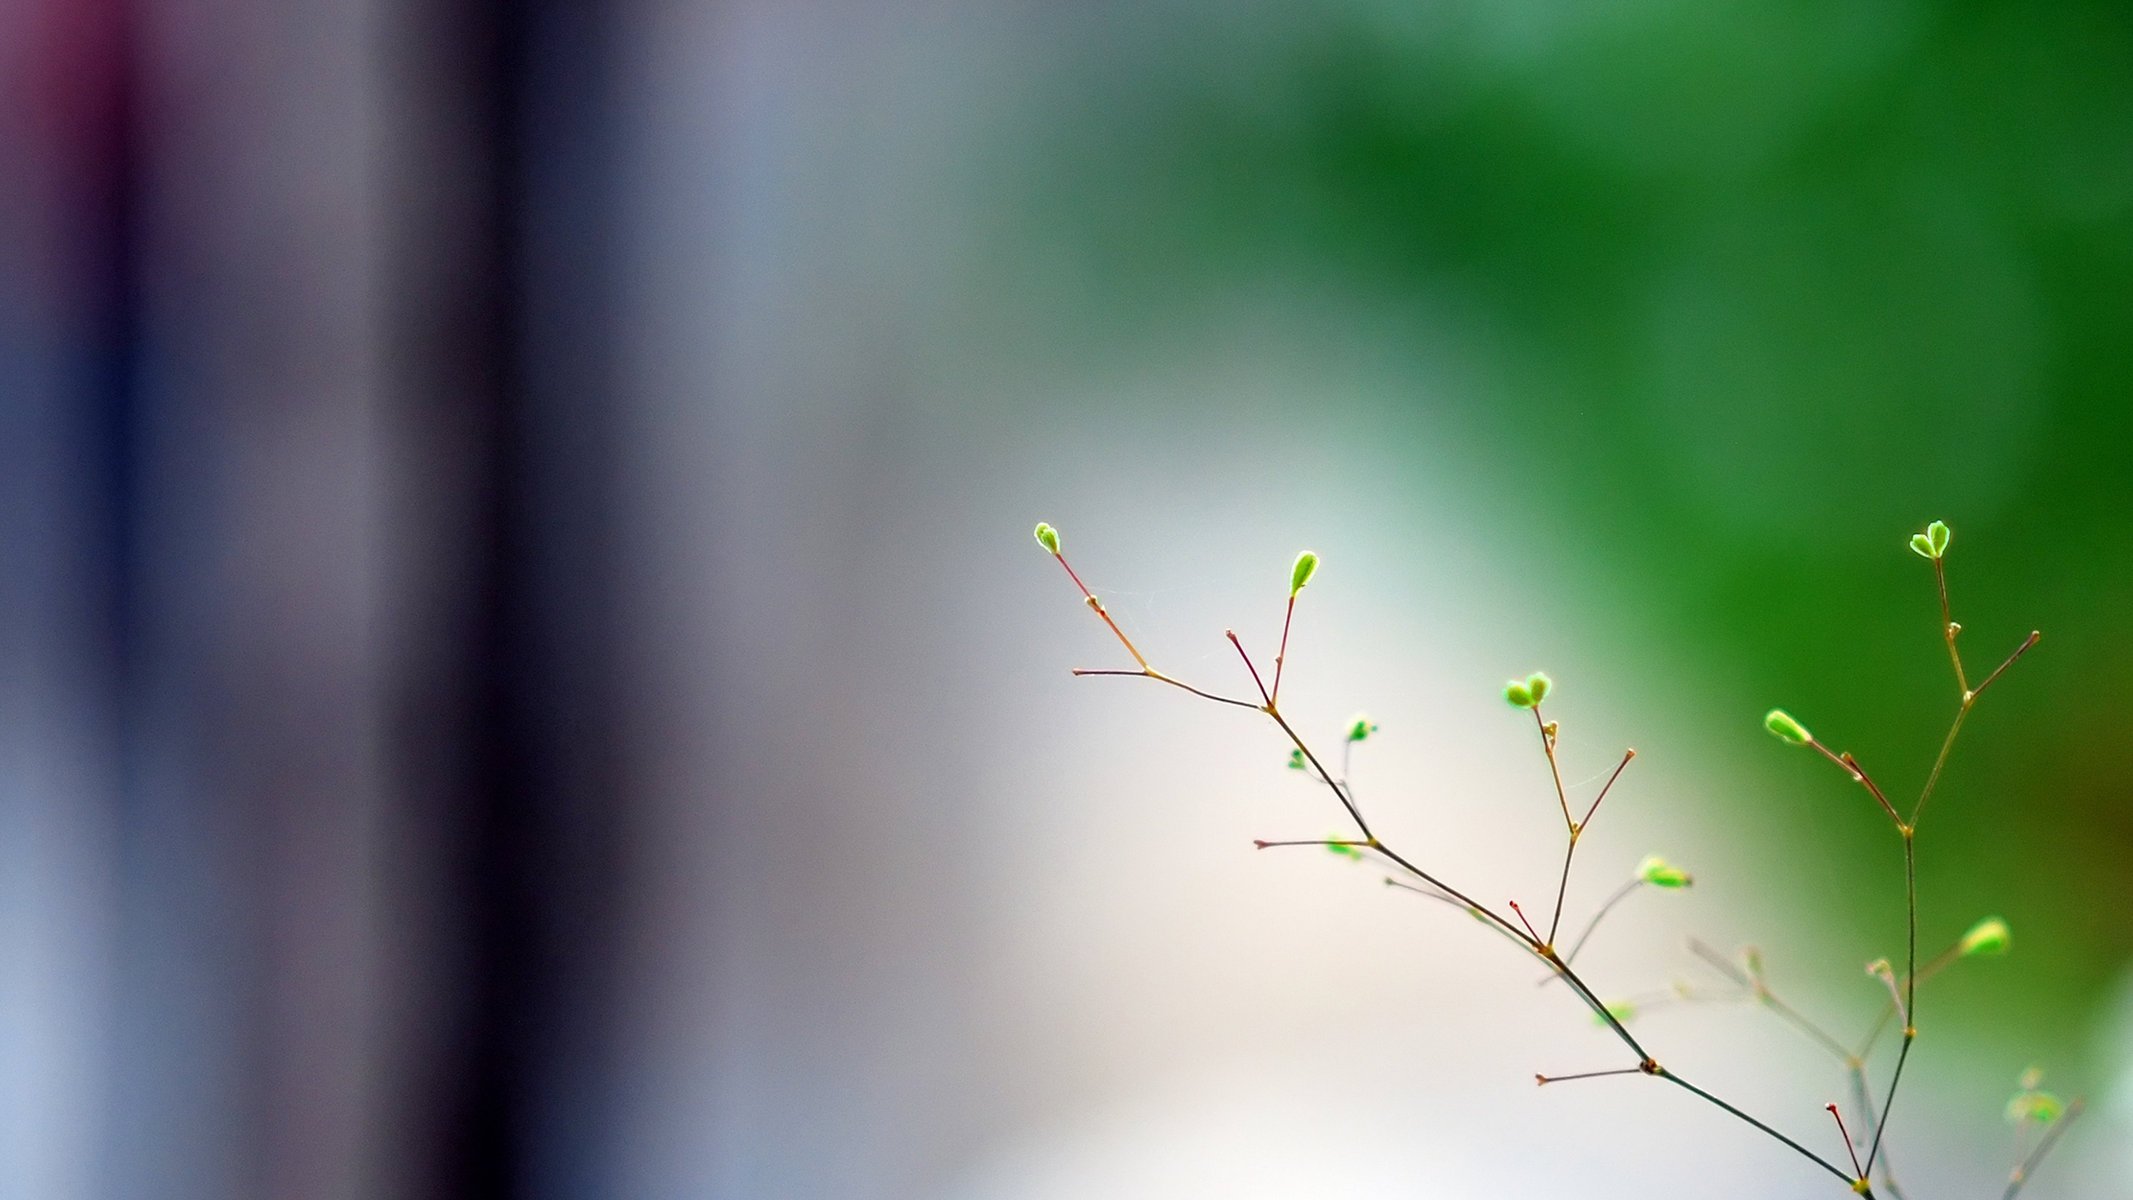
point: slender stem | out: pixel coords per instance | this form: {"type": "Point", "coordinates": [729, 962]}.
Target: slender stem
{"type": "Point", "coordinates": [1231, 634]}
{"type": "Point", "coordinates": [1851, 767]}
{"type": "Point", "coordinates": [1941, 760]}
{"type": "Point", "coordinates": [1562, 886]}
{"type": "Point", "coordinates": [1354, 814]}
{"type": "Point", "coordinates": [1948, 627]}
{"type": "Point", "coordinates": [1545, 1080]}
{"type": "Point", "coordinates": [2019, 651]}
{"type": "Point", "coordinates": [1260, 844]}
{"type": "Point", "coordinates": [1281, 656]}
{"type": "Point", "coordinates": [1554, 769]}
{"type": "Point", "coordinates": [1089, 598]}
{"type": "Point", "coordinates": [1910, 988]}
{"type": "Point", "coordinates": [1803, 1151]}
{"type": "Point", "coordinates": [2020, 1176]}
{"type": "Point", "coordinates": [1606, 787]}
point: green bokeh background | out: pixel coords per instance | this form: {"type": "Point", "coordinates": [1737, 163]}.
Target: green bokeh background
{"type": "Point", "coordinates": [1722, 303]}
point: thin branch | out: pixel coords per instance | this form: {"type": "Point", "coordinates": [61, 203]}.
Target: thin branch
{"type": "Point", "coordinates": [1089, 598]}
{"type": "Point", "coordinates": [2020, 1176]}
{"type": "Point", "coordinates": [1948, 627]}
{"type": "Point", "coordinates": [1910, 988]}
{"type": "Point", "coordinates": [1555, 770]}
{"type": "Point", "coordinates": [1604, 788]}
{"type": "Point", "coordinates": [1941, 760]}
{"type": "Point", "coordinates": [1231, 634]}
{"type": "Point", "coordinates": [2034, 636]}
{"type": "Point", "coordinates": [1281, 656]}
{"type": "Point", "coordinates": [1562, 886]}
{"type": "Point", "coordinates": [1528, 924]}
{"type": "Point", "coordinates": [1803, 1151]}
{"type": "Point", "coordinates": [1259, 844]}
{"type": "Point", "coordinates": [1545, 1080]}
{"type": "Point", "coordinates": [1159, 677]}
{"type": "Point", "coordinates": [1838, 1117]}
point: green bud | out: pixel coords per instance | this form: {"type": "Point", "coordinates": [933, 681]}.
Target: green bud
{"type": "Point", "coordinates": [1360, 727]}
{"type": "Point", "coordinates": [1937, 538]}
{"type": "Point", "coordinates": [1621, 1010]}
{"type": "Point", "coordinates": [1519, 694]}
{"type": "Point", "coordinates": [1881, 968]}
{"type": "Point", "coordinates": [1538, 684]}
{"type": "Point", "coordinates": [1300, 574]}
{"type": "Point", "coordinates": [1658, 872]}
{"type": "Point", "coordinates": [1781, 723]}
{"type": "Point", "coordinates": [1048, 537]}
{"type": "Point", "coordinates": [1296, 760]}
{"type": "Point", "coordinates": [1989, 936]}
{"type": "Point", "coordinates": [2041, 1108]}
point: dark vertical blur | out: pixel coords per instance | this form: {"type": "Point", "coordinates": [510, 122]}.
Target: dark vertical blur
{"type": "Point", "coordinates": [307, 819]}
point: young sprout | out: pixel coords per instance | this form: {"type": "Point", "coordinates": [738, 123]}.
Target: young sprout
{"type": "Point", "coordinates": [1658, 872]}
{"type": "Point", "coordinates": [1360, 727]}
{"type": "Point", "coordinates": [1528, 692]}
{"type": "Point", "coordinates": [1933, 543]}
{"type": "Point", "coordinates": [1300, 574]}
{"type": "Point", "coordinates": [1296, 760]}
{"type": "Point", "coordinates": [1048, 538]}
{"type": "Point", "coordinates": [1781, 723]}
{"type": "Point", "coordinates": [1989, 936]}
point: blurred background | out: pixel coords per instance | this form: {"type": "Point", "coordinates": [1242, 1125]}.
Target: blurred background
{"type": "Point", "coordinates": [523, 671]}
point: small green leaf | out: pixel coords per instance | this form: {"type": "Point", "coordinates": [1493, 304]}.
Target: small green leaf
{"type": "Point", "coordinates": [1360, 727]}
{"type": "Point", "coordinates": [1048, 537]}
{"type": "Point", "coordinates": [1537, 684]}
{"type": "Point", "coordinates": [1937, 537]}
{"type": "Point", "coordinates": [1781, 723]}
{"type": "Point", "coordinates": [1300, 574]}
{"type": "Point", "coordinates": [1621, 1010]}
{"type": "Point", "coordinates": [1354, 852]}
{"type": "Point", "coordinates": [1520, 695]}
{"type": "Point", "coordinates": [1921, 545]}
{"type": "Point", "coordinates": [1296, 760]}
{"type": "Point", "coordinates": [1989, 936]}
{"type": "Point", "coordinates": [1658, 872]}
